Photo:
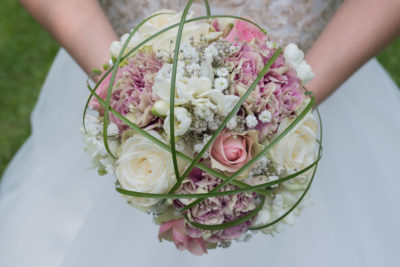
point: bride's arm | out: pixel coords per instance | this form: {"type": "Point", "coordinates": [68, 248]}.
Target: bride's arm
{"type": "Point", "coordinates": [357, 32]}
{"type": "Point", "coordinates": [80, 26]}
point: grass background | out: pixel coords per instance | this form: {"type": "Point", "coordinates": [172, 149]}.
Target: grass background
{"type": "Point", "coordinates": [26, 53]}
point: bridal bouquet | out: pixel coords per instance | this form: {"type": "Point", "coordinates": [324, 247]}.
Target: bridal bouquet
{"type": "Point", "coordinates": [207, 127]}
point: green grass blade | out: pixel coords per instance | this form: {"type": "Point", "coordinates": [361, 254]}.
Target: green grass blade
{"type": "Point", "coordinates": [208, 10]}
{"type": "Point", "coordinates": [172, 92]}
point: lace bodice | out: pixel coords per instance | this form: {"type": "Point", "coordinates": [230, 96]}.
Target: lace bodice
{"type": "Point", "coordinates": [298, 21]}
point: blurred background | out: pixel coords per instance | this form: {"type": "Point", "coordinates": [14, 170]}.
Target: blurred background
{"type": "Point", "coordinates": [26, 54]}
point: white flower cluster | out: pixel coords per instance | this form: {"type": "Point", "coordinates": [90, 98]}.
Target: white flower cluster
{"type": "Point", "coordinates": [198, 92]}
{"type": "Point", "coordinates": [295, 57]}
{"type": "Point", "coordinates": [95, 145]}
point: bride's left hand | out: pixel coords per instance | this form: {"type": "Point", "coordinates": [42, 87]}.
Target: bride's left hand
{"type": "Point", "coordinates": [357, 32]}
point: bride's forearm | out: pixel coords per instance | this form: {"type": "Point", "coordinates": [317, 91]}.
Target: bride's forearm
{"type": "Point", "coordinates": [79, 26]}
{"type": "Point", "coordinates": [357, 32]}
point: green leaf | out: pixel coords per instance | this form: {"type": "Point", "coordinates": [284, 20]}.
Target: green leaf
{"type": "Point", "coordinates": [96, 71]}
{"type": "Point", "coordinates": [172, 92]}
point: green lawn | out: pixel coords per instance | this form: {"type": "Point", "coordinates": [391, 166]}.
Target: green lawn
{"type": "Point", "coordinates": [26, 53]}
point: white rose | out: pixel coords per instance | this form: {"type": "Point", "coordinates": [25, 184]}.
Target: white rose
{"type": "Point", "coordinates": [163, 42]}
{"type": "Point", "coordinates": [297, 149]}
{"type": "Point", "coordinates": [144, 167]}
{"type": "Point", "coordinates": [183, 120]}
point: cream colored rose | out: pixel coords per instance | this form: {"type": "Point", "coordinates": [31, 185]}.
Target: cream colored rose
{"type": "Point", "coordinates": [163, 42]}
{"type": "Point", "coordinates": [144, 167]}
{"type": "Point", "coordinates": [297, 149]}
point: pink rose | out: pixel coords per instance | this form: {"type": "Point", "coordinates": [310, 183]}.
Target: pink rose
{"type": "Point", "coordinates": [175, 230]}
{"type": "Point", "coordinates": [245, 31]}
{"type": "Point", "coordinates": [231, 151]}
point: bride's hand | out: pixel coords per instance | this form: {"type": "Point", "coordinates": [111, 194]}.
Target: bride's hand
{"type": "Point", "coordinates": [357, 32]}
{"type": "Point", "coordinates": [79, 26]}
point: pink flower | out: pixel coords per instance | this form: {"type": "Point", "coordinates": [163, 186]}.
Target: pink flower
{"type": "Point", "coordinates": [279, 92]}
{"type": "Point", "coordinates": [175, 230]}
{"type": "Point", "coordinates": [132, 93]}
{"type": "Point", "coordinates": [245, 31]}
{"type": "Point", "coordinates": [101, 91]}
{"type": "Point", "coordinates": [231, 151]}
{"type": "Point", "coordinates": [215, 210]}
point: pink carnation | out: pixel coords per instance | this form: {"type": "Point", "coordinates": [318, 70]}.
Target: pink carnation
{"type": "Point", "coordinates": [175, 231]}
{"type": "Point", "coordinates": [244, 31]}
{"type": "Point", "coordinates": [216, 210]}
{"type": "Point", "coordinates": [279, 91]}
{"type": "Point", "coordinates": [132, 92]}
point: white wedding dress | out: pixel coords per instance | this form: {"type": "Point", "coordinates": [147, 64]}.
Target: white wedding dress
{"type": "Point", "coordinates": [54, 211]}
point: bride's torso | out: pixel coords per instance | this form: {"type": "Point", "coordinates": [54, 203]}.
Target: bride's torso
{"type": "Point", "coordinates": [298, 21]}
